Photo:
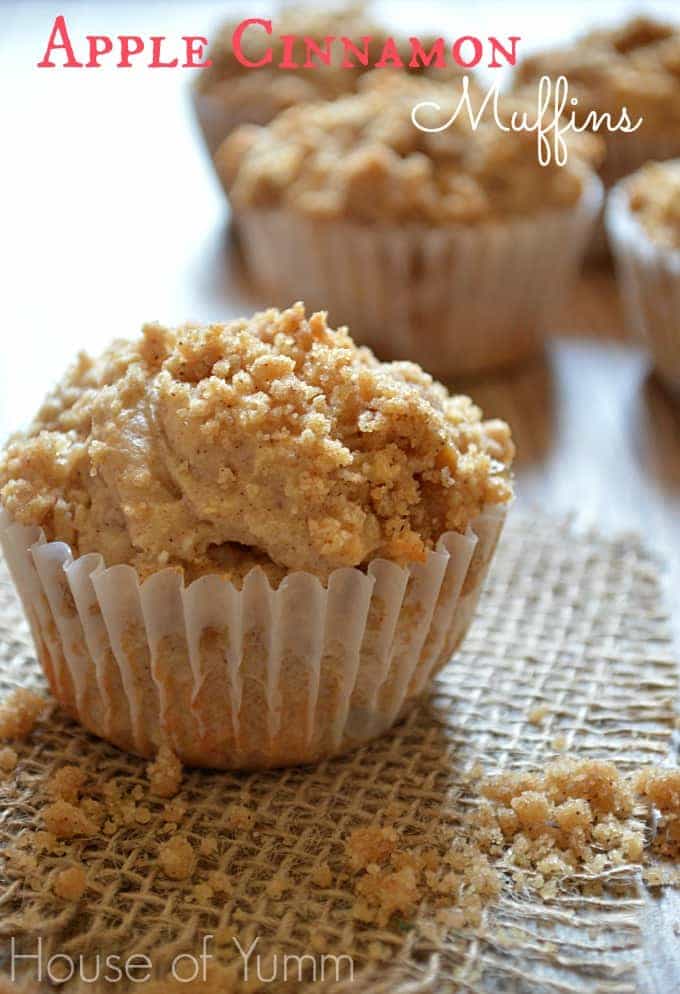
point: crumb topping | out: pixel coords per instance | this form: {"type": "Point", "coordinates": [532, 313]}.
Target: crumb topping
{"type": "Point", "coordinates": [71, 883]}
{"type": "Point", "coordinates": [274, 438]}
{"type": "Point", "coordinates": [363, 158]}
{"type": "Point", "coordinates": [636, 65]}
{"type": "Point", "coordinates": [269, 89]}
{"type": "Point", "coordinates": [654, 198]}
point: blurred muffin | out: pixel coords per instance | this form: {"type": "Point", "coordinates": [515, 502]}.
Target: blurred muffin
{"type": "Point", "coordinates": [252, 542]}
{"type": "Point", "coordinates": [227, 93]}
{"type": "Point", "coordinates": [449, 248]}
{"type": "Point", "coordinates": [643, 223]}
{"type": "Point", "coordinates": [636, 65]}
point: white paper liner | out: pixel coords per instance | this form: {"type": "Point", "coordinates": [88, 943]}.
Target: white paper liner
{"type": "Point", "coordinates": [249, 678]}
{"type": "Point", "coordinates": [456, 300]}
{"type": "Point", "coordinates": [626, 153]}
{"type": "Point", "coordinates": [649, 283]}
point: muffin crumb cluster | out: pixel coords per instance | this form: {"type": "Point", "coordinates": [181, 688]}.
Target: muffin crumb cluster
{"type": "Point", "coordinates": [654, 199]}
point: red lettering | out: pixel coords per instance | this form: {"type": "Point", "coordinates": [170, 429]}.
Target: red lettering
{"type": "Point", "coordinates": [126, 49]}
{"type": "Point", "coordinates": [352, 49]}
{"type": "Point", "coordinates": [195, 49]}
{"type": "Point", "coordinates": [157, 53]}
{"type": "Point", "coordinates": [59, 31]}
{"type": "Point", "coordinates": [99, 45]}
{"type": "Point", "coordinates": [419, 57]}
{"type": "Point", "coordinates": [390, 56]}
{"type": "Point", "coordinates": [323, 54]}
{"type": "Point", "coordinates": [236, 43]}
{"type": "Point", "coordinates": [509, 56]}
{"type": "Point", "coordinates": [456, 51]}
{"type": "Point", "coordinates": [288, 62]}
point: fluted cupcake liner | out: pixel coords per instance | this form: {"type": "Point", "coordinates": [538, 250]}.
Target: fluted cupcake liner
{"type": "Point", "coordinates": [244, 678]}
{"type": "Point", "coordinates": [455, 299]}
{"type": "Point", "coordinates": [649, 285]}
{"type": "Point", "coordinates": [625, 154]}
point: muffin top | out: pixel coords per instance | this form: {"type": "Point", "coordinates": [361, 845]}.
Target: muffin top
{"type": "Point", "coordinates": [271, 89]}
{"type": "Point", "coordinates": [654, 199]}
{"type": "Point", "coordinates": [636, 65]}
{"type": "Point", "coordinates": [362, 157]}
{"type": "Point", "coordinates": [271, 441]}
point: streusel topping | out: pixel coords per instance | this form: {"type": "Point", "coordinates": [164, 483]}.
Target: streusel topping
{"type": "Point", "coordinates": [273, 88]}
{"type": "Point", "coordinates": [654, 198]}
{"type": "Point", "coordinates": [271, 441]}
{"type": "Point", "coordinates": [362, 157]}
{"type": "Point", "coordinates": [636, 65]}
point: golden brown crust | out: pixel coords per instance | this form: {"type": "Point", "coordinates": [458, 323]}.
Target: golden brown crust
{"type": "Point", "coordinates": [636, 65]}
{"type": "Point", "coordinates": [276, 434]}
{"type": "Point", "coordinates": [363, 158]}
{"type": "Point", "coordinates": [654, 199]}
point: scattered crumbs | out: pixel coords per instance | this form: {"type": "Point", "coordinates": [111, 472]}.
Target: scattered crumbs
{"type": "Point", "coordinates": [142, 815]}
{"type": "Point", "coordinates": [64, 820]}
{"type": "Point", "coordinates": [321, 875]}
{"type": "Point", "coordinates": [8, 759]}
{"type": "Point", "coordinates": [19, 713]}
{"type": "Point", "coordinates": [661, 788]}
{"type": "Point", "coordinates": [177, 858]}
{"type": "Point", "coordinates": [559, 743]}
{"type": "Point", "coordinates": [165, 773]}
{"type": "Point", "coordinates": [370, 845]}
{"type": "Point", "coordinates": [239, 818]}
{"type": "Point", "coordinates": [538, 714]}
{"type": "Point", "coordinates": [208, 846]}
{"type": "Point", "coordinates": [219, 881]}
{"type": "Point", "coordinates": [70, 883]}
{"type": "Point", "coordinates": [137, 793]}
{"type": "Point", "coordinates": [67, 783]}
{"type": "Point", "coordinates": [174, 812]}
{"type": "Point", "coordinates": [203, 893]}
{"type": "Point", "coordinates": [277, 887]}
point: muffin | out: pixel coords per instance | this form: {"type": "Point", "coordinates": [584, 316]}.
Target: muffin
{"type": "Point", "coordinates": [643, 224]}
{"type": "Point", "coordinates": [251, 542]}
{"type": "Point", "coordinates": [637, 66]}
{"type": "Point", "coordinates": [450, 248]}
{"type": "Point", "coordinates": [227, 93]}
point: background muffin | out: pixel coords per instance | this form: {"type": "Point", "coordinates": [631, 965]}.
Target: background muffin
{"type": "Point", "coordinates": [450, 248]}
{"type": "Point", "coordinates": [637, 66]}
{"type": "Point", "coordinates": [227, 93]}
{"type": "Point", "coordinates": [337, 515]}
{"type": "Point", "coordinates": [643, 222]}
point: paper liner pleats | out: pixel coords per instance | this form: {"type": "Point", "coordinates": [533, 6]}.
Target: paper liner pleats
{"type": "Point", "coordinates": [455, 299]}
{"type": "Point", "coordinates": [244, 678]}
{"type": "Point", "coordinates": [649, 283]}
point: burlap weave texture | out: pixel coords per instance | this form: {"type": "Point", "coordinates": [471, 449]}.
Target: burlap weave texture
{"type": "Point", "coordinates": [570, 621]}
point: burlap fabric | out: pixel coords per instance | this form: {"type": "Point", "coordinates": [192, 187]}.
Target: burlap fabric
{"type": "Point", "coordinates": [569, 620]}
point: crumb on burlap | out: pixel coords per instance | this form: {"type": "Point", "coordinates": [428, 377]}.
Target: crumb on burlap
{"type": "Point", "coordinates": [67, 783]}
{"type": "Point", "coordinates": [369, 845]}
{"type": "Point", "coordinates": [538, 714]}
{"type": "Point", "coordinates": [19, 713]}
{"type": "Point", "coordinates": [70, 883]}
{"type": "Point", "coordinates": [65, 820]}
{"type": "Point", "coordinates": [219, 881]}
{"type": "Point", "coordinates": [661, 788]}
{"type": "Point", "coordinates": [321, 875]}
{"type": "Point", "coordinates": [8, 760]}
{"type": "Point", "coordinates": [239, 818]}
{"type": "Point", "coordinates": [177, 858]}
{"type": "Point", "coordinates": [277, 887]}
{"type": "Point", "coordinates": [165, 773]}
{"type": "Point", "coordinates": [208, 845]}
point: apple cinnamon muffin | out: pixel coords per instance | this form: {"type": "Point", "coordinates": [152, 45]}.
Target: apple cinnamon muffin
{"type": "Point", "coordinates": [635, 65]}
{"type": "Point", "coordinates": [228, 93]}
{"type": "Point", "coordinates": [253, 542]}
{"type": "Point", "coordinates": [451, 247]}
{"type": "Point", "coordinates": [643, 223]}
